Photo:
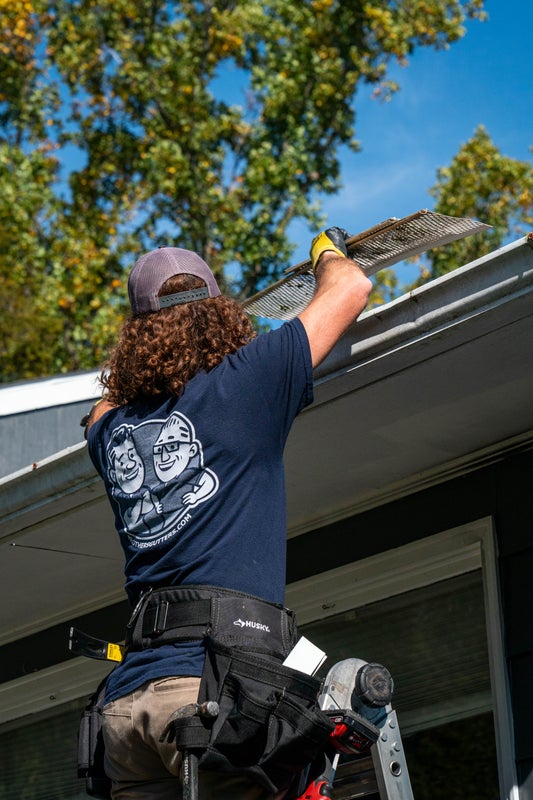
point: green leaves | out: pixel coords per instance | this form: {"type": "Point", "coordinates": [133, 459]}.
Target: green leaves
{"type": "Point", "coordinates": [482, 183]}
{"type": "Point", "coordinates": [130, 123]}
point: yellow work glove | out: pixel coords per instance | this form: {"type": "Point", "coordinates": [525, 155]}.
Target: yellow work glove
{"type": "Point", "coordinates": [330, 239]}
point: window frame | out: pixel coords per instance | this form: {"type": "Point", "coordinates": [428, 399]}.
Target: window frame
{"type": "Point", "coordinates": [415, 565]}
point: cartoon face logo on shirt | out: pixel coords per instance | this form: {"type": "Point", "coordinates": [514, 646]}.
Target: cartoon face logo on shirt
{"type": "Point", "coordinates": [175, 452]}
{"type": "Point", "coordinates": [127, 466]}
{"type": "Point", "coordinates": [137, 505]}
{"type": "Point", "coordinates": [158, 476]}
{"type": "Point", "coordinates": [174, 448]}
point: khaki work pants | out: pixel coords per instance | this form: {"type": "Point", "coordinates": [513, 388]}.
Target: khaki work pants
{"type": "Point", "coordinates": [140, 766]}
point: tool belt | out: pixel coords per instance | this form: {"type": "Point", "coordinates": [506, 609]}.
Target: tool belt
{"type": "Point", "coordinates": [269, 726]}
{"type": "Point", "coordinates": [188, 613]}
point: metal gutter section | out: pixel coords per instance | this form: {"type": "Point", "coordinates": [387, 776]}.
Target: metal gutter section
{"type": "Point", "coordinates": [430, 312]}
{"type": "Point", "coordinates": [62, 481]}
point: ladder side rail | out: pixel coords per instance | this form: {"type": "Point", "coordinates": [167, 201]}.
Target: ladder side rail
{"type": "Point", "coordinates": [390, 765]}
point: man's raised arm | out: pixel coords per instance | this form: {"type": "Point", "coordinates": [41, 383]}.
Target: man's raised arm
{"type": "Point", "coordinates": [342, 291]}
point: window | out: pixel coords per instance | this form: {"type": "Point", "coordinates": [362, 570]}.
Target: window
{"type": "Point", "coordinates": [40, 716]}
{"type": "Point", "coordinates": [39, 758]}
{"type": "Point", "coordinates": [429, 612]}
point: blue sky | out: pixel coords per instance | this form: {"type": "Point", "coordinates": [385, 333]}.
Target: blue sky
{"type": "Point", "coordinates": [485, 78]}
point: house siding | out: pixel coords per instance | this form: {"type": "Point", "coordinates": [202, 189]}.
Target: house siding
{"type": "Point", "coordinates": [34, 435]}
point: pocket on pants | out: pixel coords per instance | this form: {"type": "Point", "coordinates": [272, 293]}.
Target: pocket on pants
{"type": "Point", "coordinates": [118, 708]}
{"type": "Point", "coordinates": [173, 684]}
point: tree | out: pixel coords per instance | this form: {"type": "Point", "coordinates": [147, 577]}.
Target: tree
{"type": "Point", "coordinates": [484, 184]}
{"type": "Point", "coordinates": [164, 152]}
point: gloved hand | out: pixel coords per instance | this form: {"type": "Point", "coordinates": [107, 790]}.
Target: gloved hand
{"type": "Point", "coordinates": [330, 239]}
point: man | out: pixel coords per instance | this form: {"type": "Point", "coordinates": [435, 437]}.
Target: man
{"type": "Point", "coordinates": [197, 388]}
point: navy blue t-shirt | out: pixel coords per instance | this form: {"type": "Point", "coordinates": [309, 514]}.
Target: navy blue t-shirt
{"type": "Point", "coordinates": [197, 485]}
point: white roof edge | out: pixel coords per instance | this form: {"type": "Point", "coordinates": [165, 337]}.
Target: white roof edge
{"type": "Point", "coordinates": [58, 391]}
{"type": "Point", "coordinates": [455, 274]}
{"type": "Point", "coordinates": [62, 390]}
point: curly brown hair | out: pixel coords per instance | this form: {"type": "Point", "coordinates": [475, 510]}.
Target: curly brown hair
{"type": "Point", "coordinates": [159, 352]}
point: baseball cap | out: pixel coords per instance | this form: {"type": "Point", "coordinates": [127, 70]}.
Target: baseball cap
{"type": "Point", "coordinates": [151, 270]}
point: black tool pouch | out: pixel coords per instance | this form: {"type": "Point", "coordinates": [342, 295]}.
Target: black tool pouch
{"type": "Point", "coordinates": [91, 747]}
{"type": "Point", "coordinates": [269, 726]}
